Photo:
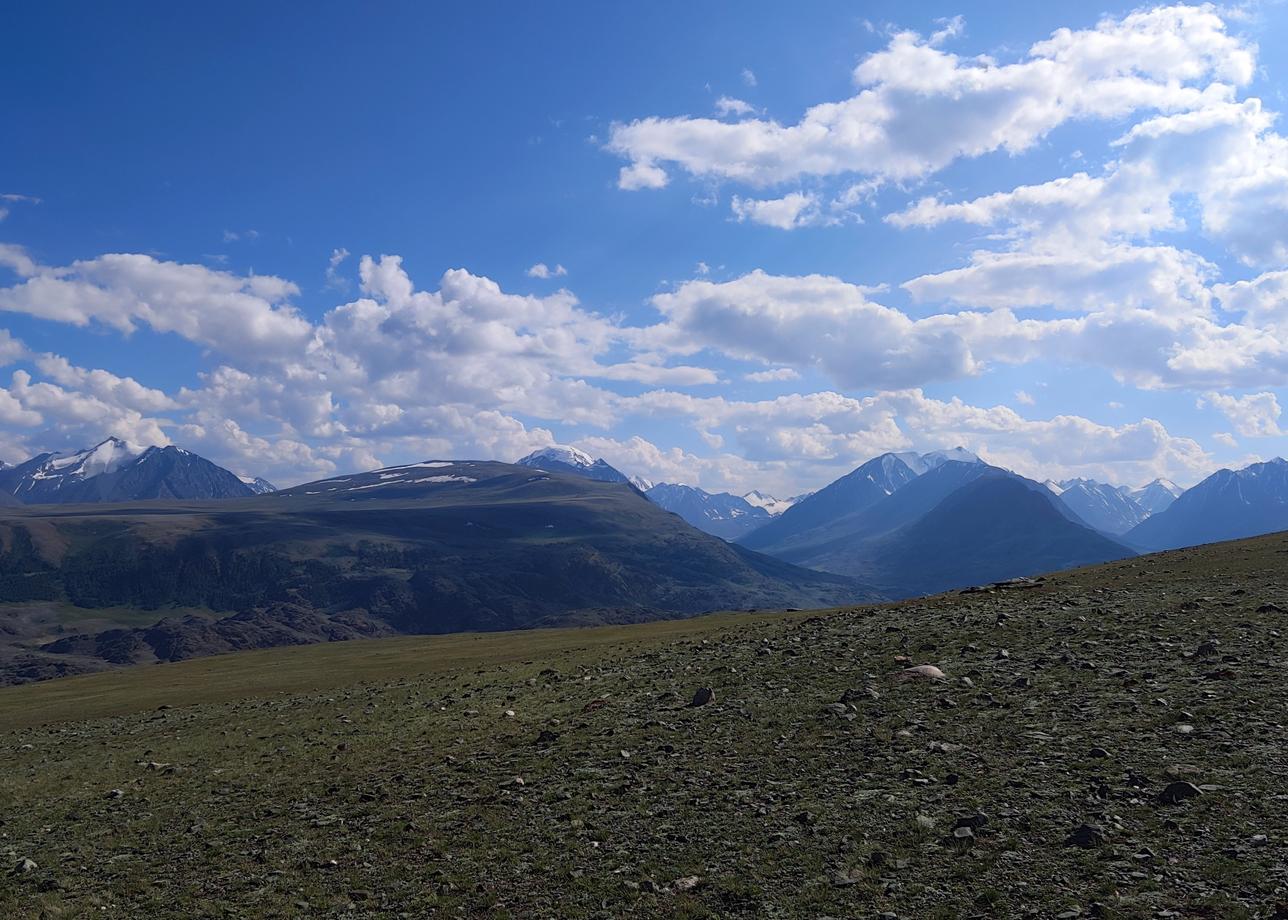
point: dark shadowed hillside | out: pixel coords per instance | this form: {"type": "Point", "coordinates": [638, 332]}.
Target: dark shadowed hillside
{"type": "Point", "coordinates": [427, 548]}
{"type": "Point", "coordinates": [994, 528]}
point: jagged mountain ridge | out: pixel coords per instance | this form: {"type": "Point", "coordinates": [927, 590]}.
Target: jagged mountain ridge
{"type": "Point", "coordinates": [1228, 505]}
{"type": "Point", "coordinates": [115, 471]}
{"type": "Point", "coordinates": [1156, 496]}
{"type": "Point", "coordinates": [775, 506]}
{"type": "Point", "coordinates": [258, 484]}
{"type": "Point", "coordinates": [1104, 507]}
{"type": "Point", "coordinates": [865, 486]}
{"type": "Point", "coordinates": [719, 513]}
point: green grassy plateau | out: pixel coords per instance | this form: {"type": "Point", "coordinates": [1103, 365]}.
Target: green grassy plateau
{"type": "Point", "coordinates": [1108, 743]}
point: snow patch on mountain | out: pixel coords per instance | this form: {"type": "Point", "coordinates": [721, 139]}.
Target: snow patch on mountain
{"type": "Point", "coordinates": [105, 457]}
{"type": "Point", "coordinates": [559, 453]}
{"type": "Point", "coordinates": [563, 459]}
{"type": "Point", "coordinates": [775, 506]}
{"type": "Point", "coordinates": [1157, 496]}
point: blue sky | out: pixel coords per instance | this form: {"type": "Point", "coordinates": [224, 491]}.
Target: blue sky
{"type": "Point", "coordinates": [775, 241]}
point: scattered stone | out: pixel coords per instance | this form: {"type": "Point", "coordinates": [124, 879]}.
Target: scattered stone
{"type": "Point", "coordinates": [973, 822]}
{"type": "Point", "coordinates": [1179, 791]}
{"type": "Point", "coordinates": [1099, 753]}
{"type": "Point", "coordinates": [839, 710]}
{"type": "Point", "coordinates": [922, 672]}
{"type": "Point", "coordinates": [962, 838]}
{"type": "Point", "coordinates": [547, 737]}
{"type": "Point", "coordinates": [1207, 648]}
{"type": "Point", "coordinates": [1086, 836]}
{"type": "Point", "coordinates": [703, 696]}
{"type": "Point", "coordinates": [24, 866]}
{"type": "Point", "coordinates": [1270, 608]}
{"type": "Point", "coordinates": [858, 696]}
{"type": "Point", "coordinates": [846, 877]}
{"type": "Point", "coordinates": [687, 883]}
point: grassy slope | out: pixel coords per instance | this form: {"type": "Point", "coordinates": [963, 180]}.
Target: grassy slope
{"type": "Point", "coordinates": [377, 778]}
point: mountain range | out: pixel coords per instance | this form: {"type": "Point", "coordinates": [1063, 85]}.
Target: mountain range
{"type": "Point", "coordinates": [1227, 505]}
{"type": "Point", "coordinates": [914, 524]}
{"type": "Point", "coordinates": [558, 538]}
{"type": "Point", "coordinates": [116, 471]}
{"type": "Point", "coordinates": [855, 524]}
{"type": "Point", "coordinates": [1155, 497]}
{"type": "Point", "coordinates": [1107, 508]}
{"type": "Point", "coordinates": [440, 546]}
{"type": "Point", "coordinates": [720, 513]}
{"type": "Point", "coordinates": [853, 492]}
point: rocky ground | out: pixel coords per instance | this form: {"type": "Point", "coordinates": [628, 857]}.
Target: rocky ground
{"type": "Point", "coordinates": [1104, 743]}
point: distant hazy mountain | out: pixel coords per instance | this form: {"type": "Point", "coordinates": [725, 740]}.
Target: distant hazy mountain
{"type": "Point", "coordinates": [116, 471]}
{"type": "Point", "coordinates": [775, 506]}
{"type": "Point", "coordinates": [853, 492]}
{"type": "Point", "coordinates": [1227, 505]}
{"type": "Point", "coordinates": [993, 527]}
{"type": "Point", "coordinates": [258, 485]}
{"type": "Point", "coordinates": [571, 460]}
{"type": "Point", "coordinates": [922, 463]}
{"type": "Point", "coordinates": [1103, 507]}
{"type": "Point", "coordinates": [840, 543]}
{"type": "Point", "coordinates": [1157, 496]}
{"type": "Point", "coordinates": [719, 513]}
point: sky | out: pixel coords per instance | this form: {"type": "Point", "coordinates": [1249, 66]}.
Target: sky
{"type": "Point", "coordinates": [736, 245]}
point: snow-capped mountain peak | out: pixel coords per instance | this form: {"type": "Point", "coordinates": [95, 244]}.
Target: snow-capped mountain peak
{"type": "Point", "coordinates": [116, 470]}
{"type": "Point", "coordinates": [104, 457]}
{"type": "Point", "coordinates": [718, 513]}
{"type": "Point", "coordinates": [258, 484]}
{"type": "Point", "coordinates": [1102, 506]}
{"type": "Point", "coordinates": [641, 483]}
{"type": "Point", "coordinates": [563, 459]}
{"type": "Point", "coordinates": [924, 463]}
{"type": "Point", "coordinates": [956, 455]}
{"type": "Point", "coordinates": [775, 506]}
{"type": "Point", "coordinates": [559, 453]}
